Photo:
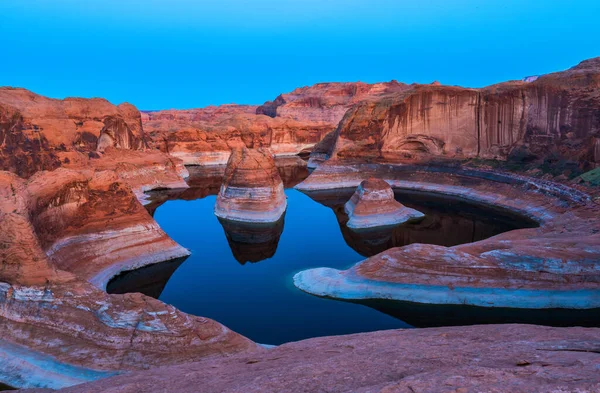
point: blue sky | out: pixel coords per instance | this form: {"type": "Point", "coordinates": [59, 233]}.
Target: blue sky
{"type": "Point", "coordinates": [160, 54]}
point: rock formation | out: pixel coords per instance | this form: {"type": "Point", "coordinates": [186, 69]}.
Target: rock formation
{"type": "Point", "coordinates": [40, 133]}
{"type": "Point", "coordinates": [65, 234]}
{"type": "Point", "coordinates": [554, 117]}
{"type": "Point", "coordinates": [291, 124]}
{"type": "Point", "coordinates": [373, 206]}
{"type": "Point", "coordinates": [207, 136]}
{"type": "Point", "coordinates": [496, 358]}
{"type": "Point", "coordinates": [555, 265]}
{"type": "Point", "coordinates": [252, 190]}
{"type": "Point", "coordinates": [73, 178]}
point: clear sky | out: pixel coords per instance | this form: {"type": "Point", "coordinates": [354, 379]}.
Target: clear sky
{"type": "Point", "coordinates": [160, 54]}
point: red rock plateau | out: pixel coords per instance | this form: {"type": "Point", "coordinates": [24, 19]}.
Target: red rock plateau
{"type": "Point", "coordinates": [252, 190]}
{"type": "Point", "coordinates": [373, 206]}
{"type": "Point", "coordinates": [73, 178]}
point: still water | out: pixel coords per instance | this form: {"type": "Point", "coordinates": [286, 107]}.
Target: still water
{"type": "Point", "coordinates": [242, 276]}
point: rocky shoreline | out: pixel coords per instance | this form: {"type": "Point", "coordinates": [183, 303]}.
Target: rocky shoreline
{"type": "Point", "coordinates": [73, 183]}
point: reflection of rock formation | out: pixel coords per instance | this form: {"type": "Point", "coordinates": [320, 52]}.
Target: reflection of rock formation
{"type": "Point", "coordinates": [447, 222]}
{"type": "Point", "coordinates": [434, 315]}
{"type": "Point", "coordinates": [252, 242]}
{"type": "Point", "coordinates": [149, 280]}
{"type": "Point", "coordinates": [252, 190]}
{"type": "Point", "coordinates": [373, 207]}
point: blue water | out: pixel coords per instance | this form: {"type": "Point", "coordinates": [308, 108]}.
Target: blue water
{"type": "Point", "coordinates": [242, 277]}
{"type": "Point", "coordinates": [259, 300]}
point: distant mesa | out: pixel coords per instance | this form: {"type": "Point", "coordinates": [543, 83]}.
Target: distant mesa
{"type": "Point", "coordinates": [252, 190]}
{"type": "Point", "coordinates": [373, 206]}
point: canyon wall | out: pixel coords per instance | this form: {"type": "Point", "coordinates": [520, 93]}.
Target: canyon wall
{"type": "Point", "coordinates": [40, 133]}
{"type": "Point", "coordinates": [291, 124]}
{"type": "Point", "coordinates": [556, 116]}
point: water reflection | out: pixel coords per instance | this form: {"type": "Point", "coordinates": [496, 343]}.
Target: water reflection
{"type": "Point", "coordinates": [149, 280]}
{"type": "Point", "coordinates": [217, 274]}
{"type": "Point", "coordinates": [252, 242]}
{"type": "Point", "coordinates": [448, 222]}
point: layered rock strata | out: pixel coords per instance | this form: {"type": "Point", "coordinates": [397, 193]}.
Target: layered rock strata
{"type": "Point", "coordinates": [40, 133]}
{"type": "Point", "coordinates": [373, 206]}
{"type": "Point", "coordinates": [291, 124]}
{"type": "Point", "coordinates": [553, 118]}
{"type": "Point", "coordinates": [497, 358]}
{"type": "Point", "coordinates": [552, 266]}
{"type": "Point", "coordinates": [252, 190]}
{"type": "Point", "coordinates": [64, 235]}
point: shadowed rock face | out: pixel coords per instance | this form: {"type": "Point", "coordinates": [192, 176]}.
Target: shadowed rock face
{"type": "Point", "coordinates": [497, 358]}
{"type": "Point", "coordinates": [373, 206]}
{"type": "Point", "coordinates": [252, 190]}
{"type": "Point", "coordinates": [149, 280]}
{"type": "Point", "coordinates": [556, 116]}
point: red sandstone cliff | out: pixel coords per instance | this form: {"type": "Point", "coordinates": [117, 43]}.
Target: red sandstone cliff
{"type": "Point", "coordinates": [291, 124]}
{"type": "Point", "coordinates": [557, 115]}
{"type": "Point", "coordinates": [40, 133]}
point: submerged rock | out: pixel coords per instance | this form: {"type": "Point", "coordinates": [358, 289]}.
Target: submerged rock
{"type": "Point", "coordinates": [252, 190]}
{"type": "Point", "coordinates": [373, 206]}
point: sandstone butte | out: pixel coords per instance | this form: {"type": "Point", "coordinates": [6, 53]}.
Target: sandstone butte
{"type": "Point", "coordinates": [72, 190]}
{"type": "Point", "coordinates": [252, 190]}
{"type": "Point", "coordinates": [373, 206]}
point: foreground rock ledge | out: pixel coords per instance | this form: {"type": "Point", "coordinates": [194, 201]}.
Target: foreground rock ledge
{"type": "Point", "coordinates": [252, 190]}
{"type": "Point", "coordinates": [373, 206]}
{"type": "Point", "coordinates": [556, 265]}
{"type": "Point", "coordinates": [474, 359]}
{"type": "Point", "coordinates": [63, 235]}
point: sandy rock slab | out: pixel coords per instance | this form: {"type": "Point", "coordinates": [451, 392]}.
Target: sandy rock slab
{"type": "Point", "coordinates": [475, 359]}
{"type": "Point", "coordinates": [373, 206]}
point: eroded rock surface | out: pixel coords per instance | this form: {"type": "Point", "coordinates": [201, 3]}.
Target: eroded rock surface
{"type": "Point", "coordinates": [252, 190]}
{"type": "Point", "coordinates": [373, 206]}
{"type": "Point", "coordinates": [64, 235]}
{"type": "Point", "coordinates": [553, 266]}
{"type": "Point", "coordinates": [497, 358]}
{"type": "Point", "coordinates": [554, 117]}
{"type": "Point", "coordinates": [291, 124]}
{"type": "Point", "coordinates": [40, 133]}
